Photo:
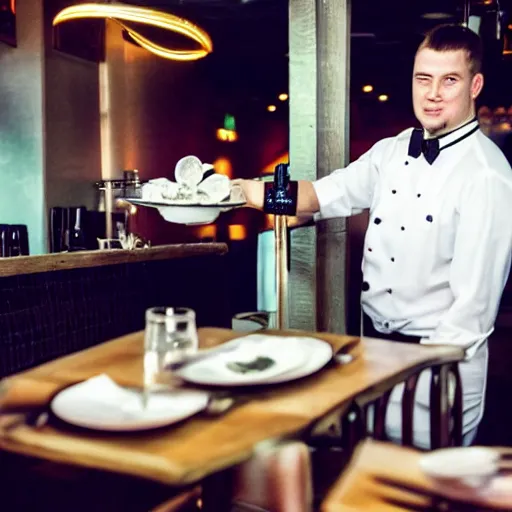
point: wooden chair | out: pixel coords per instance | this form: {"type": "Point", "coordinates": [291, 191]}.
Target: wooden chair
{"type": "Point", "coordinates": [383, 477]}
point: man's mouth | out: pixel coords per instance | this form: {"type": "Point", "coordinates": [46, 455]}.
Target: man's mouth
{"type": "Point", "coordinates": [434, 112]}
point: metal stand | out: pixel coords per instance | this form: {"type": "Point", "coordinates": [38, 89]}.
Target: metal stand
{"type": "Point", "coordinates": [281, 181]}
{"type": "Point", "coordinates": [281, 236]}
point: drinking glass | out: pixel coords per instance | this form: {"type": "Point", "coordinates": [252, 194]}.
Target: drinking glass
{"type": "Point", "coordinates": [170, 337]}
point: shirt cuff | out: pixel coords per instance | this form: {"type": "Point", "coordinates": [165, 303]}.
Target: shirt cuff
{"type": "Point", "coordinates": [328, 195]}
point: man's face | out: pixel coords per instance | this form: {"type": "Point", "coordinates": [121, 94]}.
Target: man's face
{"type": "Point", "coordinates": [443, 89]}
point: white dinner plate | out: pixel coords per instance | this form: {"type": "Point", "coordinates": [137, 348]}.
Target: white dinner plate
{"type": "Point", "coordinates": [294, 357]}
{"type": "Point", "coordinates": [188, 213]}
{"type": "Point", "coordinates": [183, 204]}
{"type": "Point", "coordinates": [465, 466]}
{"type": "Point", "coordinates": [100, 404]}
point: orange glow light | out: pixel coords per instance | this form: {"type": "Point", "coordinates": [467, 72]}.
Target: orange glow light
{"type": "Point", "coordinates": [237, 232]}
{"type": "Point", "coordinates": [368, 88]}
{"type": "Point", "coordinates": [209, 231]}
{"type": "Point", "coordinates": [226, 135]}
{"type": "Point", "coordinates": [270, 168]}
{"type": "Point", "coordinates": [283, 96]}
{"type": "Point", "coordinates": [383, 97]}
{"type": "Point", "coordinates": [223, 165]}
{"type": "Point", "coordinates": [271, 108]}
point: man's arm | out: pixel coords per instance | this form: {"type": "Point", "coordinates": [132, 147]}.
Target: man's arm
{"type": "Point", "coordinates": [480, 265]}
{"type": "Point", "coordinates": [342, 193]}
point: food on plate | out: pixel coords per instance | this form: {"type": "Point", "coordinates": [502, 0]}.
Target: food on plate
{"type": "Point", "coordinates": [195, 184]}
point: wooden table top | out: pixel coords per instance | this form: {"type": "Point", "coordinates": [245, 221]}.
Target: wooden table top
{"type": "Point", "coordinates": [200, 446]}
{"type": "Point", "coordinates": [364, 483]}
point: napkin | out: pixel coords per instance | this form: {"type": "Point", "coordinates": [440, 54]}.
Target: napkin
{"type": "Point", "coordinates": [101, 404]}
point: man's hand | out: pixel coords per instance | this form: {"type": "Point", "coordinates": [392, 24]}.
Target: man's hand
{"type": "Point", "coordinates": [253, 191]}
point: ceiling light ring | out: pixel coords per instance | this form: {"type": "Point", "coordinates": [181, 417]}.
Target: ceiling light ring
{"type": "Point", "coordinates": [121, 13]}
{"type": "Point", "coordinates": [180, 25]}
{"type": "Point", "coordinates": [161, 51]}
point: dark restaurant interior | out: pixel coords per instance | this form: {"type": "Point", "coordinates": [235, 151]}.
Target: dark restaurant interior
{"type": "Point", "coordinates": [83, 105]}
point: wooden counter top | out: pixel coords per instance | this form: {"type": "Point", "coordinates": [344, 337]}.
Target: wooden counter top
{"type": "Point", "coordinates": [99, 258]}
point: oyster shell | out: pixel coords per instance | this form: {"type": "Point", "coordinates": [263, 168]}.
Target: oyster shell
{"type": "Point", "coordinates": [189, 172]}
{"type": "Point", "coordinates": [214, 189]}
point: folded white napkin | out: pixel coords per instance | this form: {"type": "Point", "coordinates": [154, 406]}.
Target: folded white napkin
{"type": "Point", "coordinates": [102, 398]}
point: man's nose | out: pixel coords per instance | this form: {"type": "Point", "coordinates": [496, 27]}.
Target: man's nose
{"type": "Point", "coordinates": [433, 92]}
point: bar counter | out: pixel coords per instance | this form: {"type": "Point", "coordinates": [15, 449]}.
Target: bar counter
{"type": "Point", "coordinates": [56, 304]}
{"type": "Point", "coordinates": [84, 259]}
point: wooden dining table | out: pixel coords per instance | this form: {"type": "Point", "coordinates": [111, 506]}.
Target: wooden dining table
{"type": "Point", "coordinates": [202, 445]}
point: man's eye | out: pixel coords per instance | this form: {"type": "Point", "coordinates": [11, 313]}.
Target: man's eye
{"type": "Point", "coordinates": [451, 80]}
{"type": "Point", "coordinates": [422, 79]}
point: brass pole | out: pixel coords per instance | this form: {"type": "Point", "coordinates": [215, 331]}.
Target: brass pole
{"type": "Point", "coordinates": [109, 208]}
{"type": "Point", "coordinates": [281, 253]}
{"type": "Point", "coordinates": [467, 9]}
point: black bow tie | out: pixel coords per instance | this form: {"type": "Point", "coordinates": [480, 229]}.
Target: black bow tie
{"type": "Point", "coordinates": [418, 145]}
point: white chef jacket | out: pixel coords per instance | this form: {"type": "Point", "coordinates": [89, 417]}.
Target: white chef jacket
{"type": "Point", "coordinates": [437, 250]}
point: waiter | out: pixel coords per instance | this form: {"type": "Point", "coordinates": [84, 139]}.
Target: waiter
{"type": "Point", "coordinates": [438, 247]}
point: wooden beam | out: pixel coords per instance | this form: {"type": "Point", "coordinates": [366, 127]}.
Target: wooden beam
{"type": "Point", "coordinates": [333, 86]}
{"type": "Point", "coordinates": [303, 133]}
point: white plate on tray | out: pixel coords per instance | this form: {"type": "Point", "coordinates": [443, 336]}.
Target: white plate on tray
{"type": "Point", "coordinates": [181, 212]}
{"type": "Point", "coordinates": [293, 358]}
{"type": "Point", "coordinates": [100, 404]}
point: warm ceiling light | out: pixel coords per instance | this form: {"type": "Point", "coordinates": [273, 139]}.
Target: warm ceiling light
{"type": "Point", "coordinates": [271, 108]}
{"type": "Point", "coordinates": [368, 88]}
{"type": "Point", "coordinates": [436, 15]}
{"type": "Point", "coordinates": [383, 97]}
{"type": "Point", "coordinates": [121, 13]}
{"type": "Point", "coordinates": [283, 96]}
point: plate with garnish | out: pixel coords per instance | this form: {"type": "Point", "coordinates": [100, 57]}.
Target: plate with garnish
{"type": "Point", "coordinates": [258, 359]}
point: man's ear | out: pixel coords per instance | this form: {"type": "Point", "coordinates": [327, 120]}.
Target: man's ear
{"type": "Point", "coordinates": [477, 85]}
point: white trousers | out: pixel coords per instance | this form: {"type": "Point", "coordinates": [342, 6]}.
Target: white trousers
{"type": "Point", "coordinates": [474, 378]}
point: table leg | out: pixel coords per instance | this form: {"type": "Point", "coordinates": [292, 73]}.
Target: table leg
{"type": "Point", "coordinates": [217, 493]}
{"type": "Point", "coordinates": [408, 410]}
{"type": "Point", "coordinates": [439, 408]}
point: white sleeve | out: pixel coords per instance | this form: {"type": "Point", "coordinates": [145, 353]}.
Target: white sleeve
{"type": "Point", "coordinates": [348, 191]}
{"type": "Point", "coordinates": [480, 265]}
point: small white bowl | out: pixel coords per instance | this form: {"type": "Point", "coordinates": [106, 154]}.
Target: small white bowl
{"type": "Point", "coordinates": [469, 467]}
{"type": "Point", "coordinates": [189, 214]}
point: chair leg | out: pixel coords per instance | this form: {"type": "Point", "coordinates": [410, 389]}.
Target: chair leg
{"type": "Point", "coordinates": [185, 502]}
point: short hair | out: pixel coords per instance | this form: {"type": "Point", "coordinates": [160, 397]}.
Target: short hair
{"type": "Point", "coordinates": [445, 38]}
